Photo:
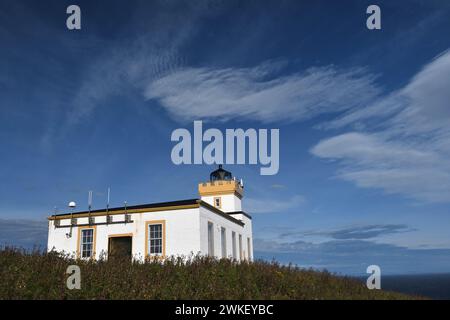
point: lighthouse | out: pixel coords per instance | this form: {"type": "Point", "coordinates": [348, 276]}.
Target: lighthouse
{"type": "Point", "coordinates": [222, 191]}
{"type": "Point", "coordinates": [214, 225]}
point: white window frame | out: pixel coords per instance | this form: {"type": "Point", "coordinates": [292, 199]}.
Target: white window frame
{"type": "Point", "coordinates": [154, 238]}
{"type": "Point", "coordinates": [219, 206]}
{"type": "Point", "coordinates": [83, 243]}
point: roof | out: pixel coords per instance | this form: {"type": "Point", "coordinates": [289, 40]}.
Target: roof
{"type": "Point", "coordinates": [220, 174]}
{"type": "Point", "coordinates": [136, 207]}
{"type": "Point", "coordinates": [220, 212]}
{"type": "Point", "coordinates": [241, 212]}
{"type": "Point", "coordinates": [158, 206]}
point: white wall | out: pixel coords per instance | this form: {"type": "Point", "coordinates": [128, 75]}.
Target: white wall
{"type": "Point", "coordinates": [186, 233]}
{"type": "Point", "coordinates": [182, 232]}
{"type": "Point", "coordinates": [247, 233]}
{"type": "Point", "coordinates": [230, 202]}
{"type": "Point", "coordinates": [219, 221]}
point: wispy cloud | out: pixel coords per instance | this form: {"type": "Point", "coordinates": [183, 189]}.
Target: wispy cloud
{"type": "Point", "coordinates": [370, 161]}
{"type": "Point", "coordinates": [23, 233]}
{"type": "Point", "coordinates": [361, 232]}
{"type": "Point", "coordinates": [405, 146]}
{"type": "Point", "coordinates": [136, 61]}
{"type": "Point", "coordinates": [260, 93]}
{"type": "Point", "coordinates": [401, 144]}
{"type": "Point", "coordinates": [350, 249]}
{"type": "Point", "coordinates": [400, 141]}
{"type": "Point", "coordinates": [353, 232]}
{"type": "Point", "coordinates": [253, 205]}
{"type": "Point", "coordinates": [354, 256]}
{"type": "Point", "coordinates": [278, 186]}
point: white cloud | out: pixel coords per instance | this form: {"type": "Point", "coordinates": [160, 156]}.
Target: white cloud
{"type": "Point", "coordinates": [23, 233]}
{"type": "Point", "coordinates": [258, 94]}
{"type": "Point", "coordinates": [136, 61]}
{"type": "Point", "coordinates": [403, 145]}
{"type": "Point", "coordinates": [409, 152]}
{"type": "Point", "coordinates": [402, 141]}
{"type": "Point", "coordinates": [368, 149]}
{"type": "Point", "coordinates": [273, 206]}
{"type": "Point", "coordinates": [352, 256]}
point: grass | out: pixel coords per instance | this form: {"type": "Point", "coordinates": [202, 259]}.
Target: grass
{"type": "Point", "coordinates": [40, 275]}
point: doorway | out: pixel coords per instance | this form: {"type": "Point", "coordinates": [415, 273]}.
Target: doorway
{"type": "Point", "coordinates": [119, 247]}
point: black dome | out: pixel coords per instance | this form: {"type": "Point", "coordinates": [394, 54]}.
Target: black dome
{"type": "Point", "coordinates": [220, 174]}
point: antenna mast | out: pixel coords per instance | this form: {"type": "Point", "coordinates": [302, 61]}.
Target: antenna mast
{"type": "Point", "coordinates": [126, 211]}
{"type": "Point", "coordinates": [72, 205]}
{"type": "Point", "coordinates": [107, 205]}
{"type": "Point", "coordinates": [90, 205]}
{"type": "Point", "coordinates": [109, 193]}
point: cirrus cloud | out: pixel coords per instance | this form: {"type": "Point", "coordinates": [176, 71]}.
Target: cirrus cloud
{"type": "Point", "coordinates": [358, 232]}
{"type": "Point", "coordinates": [407, 151]}
{"type": "Point", "coordinates": [273, 206]}
{"type": "Point", "coordinates": [258, 93]}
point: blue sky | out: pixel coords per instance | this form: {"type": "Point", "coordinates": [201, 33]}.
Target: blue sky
{"type": "Point", "coordinates": [363, 116]}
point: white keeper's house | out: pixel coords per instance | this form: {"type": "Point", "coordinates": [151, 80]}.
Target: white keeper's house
{"type": "Point", "coordinates": [213, 225]}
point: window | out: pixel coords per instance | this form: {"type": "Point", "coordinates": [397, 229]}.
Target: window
{"type": "Point", "coordinates": [155, 234]}
{"type": "Point", "coordinates": [217, 202]}
{"type": "Point", "coordinates": [233, 243]}
{"type": "Point", "coordinates": [240, 248]}
{"type": "Point", "coordinates": [210, 239]}
{"type": "Point", "coordinates": [155, 238]}
{"type": "Point", "coordinates": [87, 243]}
{"type": "Point", "coordinates": [249, 248]}
{"type": "Point", "coordinates": [223, 235]}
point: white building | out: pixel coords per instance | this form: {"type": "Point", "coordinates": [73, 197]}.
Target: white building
{"type": "Point", "coordinates": [213, 225]}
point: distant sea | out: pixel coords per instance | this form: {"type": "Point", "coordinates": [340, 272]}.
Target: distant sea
{"type": "Point", "coordinates": [434, 286]}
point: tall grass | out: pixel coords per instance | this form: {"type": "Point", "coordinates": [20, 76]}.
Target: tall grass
{"type": "Point", "coordinates": [41, 275]}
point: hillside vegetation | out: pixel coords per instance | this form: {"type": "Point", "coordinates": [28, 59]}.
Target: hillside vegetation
{"type": "Point", "coordinates": [38, 275]}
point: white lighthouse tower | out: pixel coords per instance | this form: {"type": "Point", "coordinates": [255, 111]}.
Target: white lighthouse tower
{"type": "Point", "coordinates": [222, 191]}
